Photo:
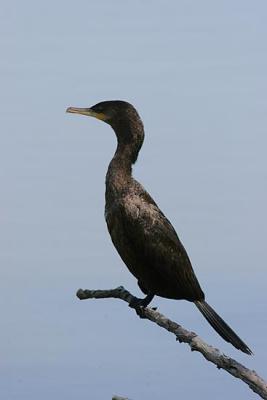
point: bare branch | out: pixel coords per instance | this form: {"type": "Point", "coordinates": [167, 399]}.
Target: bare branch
{"type": "Point", "coordinates": [250, 377]}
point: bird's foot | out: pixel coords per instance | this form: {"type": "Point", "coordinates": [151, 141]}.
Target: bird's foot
{"type": "Point", "coordinates": [135, 302]}
{"type": "Point", "coordinates": [140, 304]}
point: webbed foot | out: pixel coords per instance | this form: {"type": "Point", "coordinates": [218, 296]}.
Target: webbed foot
{"type": "Point", "coordinates": [140, 304]}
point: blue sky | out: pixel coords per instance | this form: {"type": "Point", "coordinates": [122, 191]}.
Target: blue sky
{"type": "Point", "coordinates": [196, 72]}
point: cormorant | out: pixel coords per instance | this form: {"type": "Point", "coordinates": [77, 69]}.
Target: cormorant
{"type": "Point", "coordinates": [144, 238]}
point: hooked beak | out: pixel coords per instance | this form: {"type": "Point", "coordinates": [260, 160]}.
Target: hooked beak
{"type": "Point", "coordinates": [88, 112]}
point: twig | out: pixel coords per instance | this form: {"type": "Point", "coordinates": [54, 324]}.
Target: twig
{"type": "Point", "coordinates": [250, 377]}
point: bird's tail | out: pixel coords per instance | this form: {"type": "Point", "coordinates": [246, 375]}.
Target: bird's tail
{"type": "Point", "coordinates": [221, 327]}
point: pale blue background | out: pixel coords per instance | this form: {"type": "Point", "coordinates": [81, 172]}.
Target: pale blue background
{"type": "Point", "coordinates": [197, 72]}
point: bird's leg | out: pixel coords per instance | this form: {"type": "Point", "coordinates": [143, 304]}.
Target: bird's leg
{"type": "Point", "coordinates": [140, 304]}
{"type": "Point", "coordinates": [147, 300]}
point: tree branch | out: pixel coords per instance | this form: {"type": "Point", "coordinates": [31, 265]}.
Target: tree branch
{"type": "Point", "coordinates": [250, 377]}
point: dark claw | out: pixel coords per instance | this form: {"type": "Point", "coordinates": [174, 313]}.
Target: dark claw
{"type": "Point", "coordinates": [140, 311]}
{"type": "Point", "coordinates": [137, 303]}
{"type": "Point", "coordinates": [140, 304]}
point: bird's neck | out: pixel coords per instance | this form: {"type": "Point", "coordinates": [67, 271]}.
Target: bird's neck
{"type": "Point", "coordinates": [119, 174]}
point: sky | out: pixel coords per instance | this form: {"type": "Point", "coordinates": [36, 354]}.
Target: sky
{"type": "Point", "coordinates": [197, 73]}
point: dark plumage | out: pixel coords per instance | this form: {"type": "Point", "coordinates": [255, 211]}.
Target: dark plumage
{"type": "Point", "coordinates": [144, 238]}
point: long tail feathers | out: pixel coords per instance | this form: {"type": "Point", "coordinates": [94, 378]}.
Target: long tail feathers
{"type": "Point", "coordinates": [221, 327]}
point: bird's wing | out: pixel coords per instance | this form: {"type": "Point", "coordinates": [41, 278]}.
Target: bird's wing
{"type": "Point", "coordinates": [155, 245]}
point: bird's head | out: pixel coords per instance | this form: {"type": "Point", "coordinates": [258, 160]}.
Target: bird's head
{"type": "Point", "coordinates": [121, 116]}
{"type": "Point", "coordinates": [113, 112]}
